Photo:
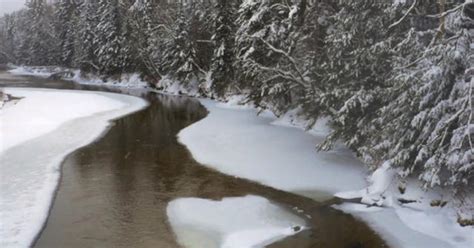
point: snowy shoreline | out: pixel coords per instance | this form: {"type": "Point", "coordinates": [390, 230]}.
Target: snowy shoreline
{"type": "Point", "coordinates": [31, 152]}
{"type": "Point", "coordinates": [234, 140]}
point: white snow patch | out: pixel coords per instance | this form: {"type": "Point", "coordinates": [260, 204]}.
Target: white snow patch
{"type": "Point", "coordinates": [294, 118]}
{"type": "Point", "coordinates": [43, 72]}
{"type": "Point", "coordinates": [386, 222]}
{"type": "Point", "coordinates": [380, 181]}
{"type": "Point", "coordinates": [126, 80]}
{"type": "Point", "coordinates": [132, 80]}
{"type": "Point", "coordinates": [236, 102]}
{"type": "Point", "coordinates": [427, 222]}
{"type": "Point", "coordinates": [175, 87]}
{"type": "Point", "coordinates": [240, 143]}
{"type": "Point", "coordinates": [36, 134]}
{"type": "Point", "coordinates": [240, 222]}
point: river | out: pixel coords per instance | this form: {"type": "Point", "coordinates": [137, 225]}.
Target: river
{"type": "Point", "coordinates": [114, 192]}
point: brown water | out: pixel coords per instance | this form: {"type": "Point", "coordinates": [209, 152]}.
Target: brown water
{"type": "Point", "coordinates": [114, 192]}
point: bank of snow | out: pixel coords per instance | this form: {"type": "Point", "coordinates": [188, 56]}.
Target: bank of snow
{"type": "Point", "coordinates": [433, 213]}
{"type": "Point", "coordinates": [125, 80]}
{"type": "Point", "coordinates": [40, 71]}
{"type": "Point", "coordinates": [35, 135]}
{"type": "Point", "coordinates": [235, 141]}
{"type": "Point", "coordinates": [240, 222]}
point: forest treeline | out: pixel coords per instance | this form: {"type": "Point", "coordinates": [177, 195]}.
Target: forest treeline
{"type": "Point", "coordinates": [395, 77]}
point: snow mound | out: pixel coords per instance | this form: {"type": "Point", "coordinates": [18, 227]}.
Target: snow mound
{"type": "Point", "coordinates": [36, 134]}
{"type": "Point", "coordinates": [380, 181]}
{"type": "Point", "coordinates": [240, 222]}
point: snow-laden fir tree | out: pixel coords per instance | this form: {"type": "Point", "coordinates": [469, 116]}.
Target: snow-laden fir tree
{"type": "Point", "coordinates": [179, 53]}
{"type": "Point", "coordinates": [110, 38]}
{"type": "Point", "coordinates": [39, 42]}
{"type": "Point", "coordinates": [66, 22]}
{"type": "Point", "coordinates": [354, 76]}
{"type": "Point", "coordinates": [88, 35]}
{"type": "Point", "coordinates": [268, 32]}
{"type": "Point", "coordinates": [144, 19]}
{"type": "Point", "coordinates": [428, 120]}
{"type": "Point", "coordinates": [7, 38]}
{"type": "Point", "coordinates": [222, 68]}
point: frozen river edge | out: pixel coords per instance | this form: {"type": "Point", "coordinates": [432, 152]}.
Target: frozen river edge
{"type": "Point", "coordinates": [413, 225]}
{"type": "Point", "coordinates": [236, 141]}
{"type": "Point", "coordinates": [37, 133]}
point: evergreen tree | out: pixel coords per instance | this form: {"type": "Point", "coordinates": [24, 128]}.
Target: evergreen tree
{"type": "Point", "coordinates": [87, 39]}
{"type": "Point", "coordinates": [359, 49]}
{"type": "Point", "coordinates": [223, 38]}
{"type": "Point", "coordinates": [179, 55]}
{"type": "Point", "coordinates": [147, 35]}
{"type": "Point", "coordinates": [110, 38]}
{"type": "Point", "coordinates": [67, 14]}
{"type": "Point", "coordinates": [39, 42]}
{"type": "Point", "coordinates": [429, 109]}
{"type": "Point", "coordinates": [266, 40]}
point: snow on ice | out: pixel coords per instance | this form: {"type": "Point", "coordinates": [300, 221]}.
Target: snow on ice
{"type": "Point", "coordinates": [239, 222]}
{"type": "Point", "coordinates": [240, 143]}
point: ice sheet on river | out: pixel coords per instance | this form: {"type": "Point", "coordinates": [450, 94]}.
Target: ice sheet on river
{"type": "Point", "coordinates": [36, 134]}
{"type": "Point", "coordinates": [237, 142]}
{"type": "Point", "coordinates": [239, 222]}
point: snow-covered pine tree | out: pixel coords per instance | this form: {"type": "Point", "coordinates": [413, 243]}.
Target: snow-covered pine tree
{"type": "Point", "coordinates": [39, 42]}
{"type": "Point", "coordinates": [110, 38]}
{"type": "Point", "coordinates": [146, 36]}
{"type": "Point", "coordinates": [358, 50]}
{"type": "Point", "coordinates": [19, 29]}
{"type": "Point", "coordinates": [222, 68]}
{"type": "Point", "coordinates": [427, 122]}
{"type": "Point", "coordinates": [129, 49]}
{"type": "Point", "coordinates": [179, 53]}
{"type": "Point", "coordinates": [7, 38]}
{"type": "Point", "coordinates": [66, 18]}
{"type": "Point", "coordinates": [87, 37]}
{"type": "Point", "coordinates": [265, 42]}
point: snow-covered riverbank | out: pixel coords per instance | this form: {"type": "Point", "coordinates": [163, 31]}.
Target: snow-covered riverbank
{"type": "Point", "coordinates": [37, 132]}
{"type": "Point", "coordinates": [234, 140]}
{"type": "Point", "coordinates": [131, 80]}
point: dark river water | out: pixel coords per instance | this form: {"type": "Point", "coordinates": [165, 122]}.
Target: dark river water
{"type": "Point", "coordinates": [114, 192]}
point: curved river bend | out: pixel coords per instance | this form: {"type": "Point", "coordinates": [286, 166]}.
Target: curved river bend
{"type": "Point", "coordinates": [114, 192]}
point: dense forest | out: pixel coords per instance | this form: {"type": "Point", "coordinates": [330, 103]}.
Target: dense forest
{"type": "Point", "coordinates": [395, 77]}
